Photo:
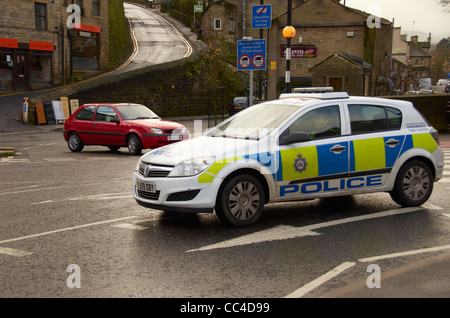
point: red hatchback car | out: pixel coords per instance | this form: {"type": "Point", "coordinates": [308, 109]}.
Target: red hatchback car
{"type": "Point", "coordinates": [120, 125]}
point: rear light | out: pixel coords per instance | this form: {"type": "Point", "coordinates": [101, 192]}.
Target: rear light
{"type": "Point", "coordinates": [435, 135]}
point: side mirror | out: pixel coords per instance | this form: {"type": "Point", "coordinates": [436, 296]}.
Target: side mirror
{"type": "Point", "coordinates": [115, 120]}
{"type": "Point", "coordinates": [294, 138]}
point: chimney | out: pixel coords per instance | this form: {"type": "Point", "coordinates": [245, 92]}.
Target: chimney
{"type": "Point", "coordinates": [429, 38]}
{"type": "Point", "coordinates": [415, 39]}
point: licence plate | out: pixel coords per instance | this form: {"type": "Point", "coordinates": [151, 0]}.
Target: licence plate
{"type": "Point", "coordinates": [146, 186]}
{"type": "Point", "coordinates": [237, 107]}
{"type": "Point", "coordinates": [174, 137]}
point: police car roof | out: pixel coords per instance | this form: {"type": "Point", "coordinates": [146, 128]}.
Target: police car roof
{"type": "Point", "coordinates": [306, 94]}
{"type": "Point", "coordinates": [314, 93]}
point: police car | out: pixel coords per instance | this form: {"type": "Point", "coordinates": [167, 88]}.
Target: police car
{"type": "Point", "coordinates": [301, 146]}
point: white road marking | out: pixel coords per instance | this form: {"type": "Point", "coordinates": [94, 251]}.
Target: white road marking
{"type": "Point", "coordinates": [321, 280]}
{"type": "Point", "coordinates": [103, 196]}
{"type": "Point", "coordinates": [65, 229]}
{"type": "Point", "coordinates": [13, 252]}
{"type": "Point", "coordinates": [131, 226]}
{"type": "Point", "coordinates": [431, 206]}
{"type": "Point", "coordinates": [59, 159]}
{"type": "Point", "coordinates": [14, 160]}
{"type": "Point", "coordinates": [344, 266]}
{"type": "Point", "coordinates": [40, 145]}
{"type": "Point", "coordinates": [42, 202]}
{"type": "Point", "coordinates": [281, 232]}
{"type": "Point", "coordinates": [288, 232]}
{"type": "Point", "coordinates": [414, 252]}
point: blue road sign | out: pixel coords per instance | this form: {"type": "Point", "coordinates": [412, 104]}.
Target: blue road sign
{"type": "Point", "coordinates": [251, 55]}
{"type": "Point", "coordinates": [262, 16]}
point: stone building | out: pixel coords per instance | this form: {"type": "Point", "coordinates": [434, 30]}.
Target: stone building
{"type": "Point", "coordinates": [411, 61]}
{"type": "Point", "coordinates": [420, 60]}
{"type": "Point", "coordinates": [42, 44]}
{"type": "Point", "coordinates": [323, 28]}
{"type": "Point", "coordinates": [343, 72]}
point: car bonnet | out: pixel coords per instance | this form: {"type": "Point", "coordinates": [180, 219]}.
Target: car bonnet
{"type": "Point", "coordinates": [203, 146]}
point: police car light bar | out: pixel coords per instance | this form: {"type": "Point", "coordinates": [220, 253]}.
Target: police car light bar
{"type": "Point", "coordinates": [313, 90]}
{"type": "Point", "coordinates": [336, 95]}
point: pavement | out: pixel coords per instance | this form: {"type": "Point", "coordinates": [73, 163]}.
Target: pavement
{"type": "Point", "coordinates": [444, 139]}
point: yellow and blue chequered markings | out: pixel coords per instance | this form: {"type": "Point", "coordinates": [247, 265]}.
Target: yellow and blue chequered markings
{"type": "Point", "coordinates": [375, 153]}
{"type": "Point", "coordinates": [315, 165]}
{"type": "Point", "coordinates": [361, 166]}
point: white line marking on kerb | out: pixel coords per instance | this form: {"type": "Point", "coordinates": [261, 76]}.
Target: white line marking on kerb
{"type": "Point", "coordinates": [321, 280]}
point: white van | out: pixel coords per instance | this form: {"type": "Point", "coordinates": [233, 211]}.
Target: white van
{"type": "Point", "coordinates": [425, 83]}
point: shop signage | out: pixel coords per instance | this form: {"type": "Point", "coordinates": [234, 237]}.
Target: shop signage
{"type": "Point", "coordinates": [9, 43]}
{"type": "Point", "coordinates": [300, 51]}
{"type": "Point", "coordinates": [41, 46]}
{"type": "Point", "coordinates": [89, 28]}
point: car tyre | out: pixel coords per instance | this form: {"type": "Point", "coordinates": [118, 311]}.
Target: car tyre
{"type": "Point", "coordinates": [241, 201]}
{"type": "Point", "coordinates": [413, 185]}
{"type": "Point", "coordinates": [134, 145]}
{"type": "Point", "coordinates": [74, 142]}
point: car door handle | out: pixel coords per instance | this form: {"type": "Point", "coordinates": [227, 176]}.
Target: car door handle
{"type": "Point", "coordinates": [392, 142]}
{"type": "Point", "coordinates": [338, 149]}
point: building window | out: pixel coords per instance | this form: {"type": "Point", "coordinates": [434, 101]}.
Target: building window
{"type": "Point", "coordinates": [85, 50]}
{"type": "Point", "coordinates": [6, 70]}
{"type": "Point", "coordinates": [231, 25]}
{"type": "Point", "coordinates": [40, 16]}
{"type": "Point", "coordinates": [217, 24]}
{"type": "Point", "coordinates": [80, 4]}
{"type": "Point", "coordinates": [96, 7]}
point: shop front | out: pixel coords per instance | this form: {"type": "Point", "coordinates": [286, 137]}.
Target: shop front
{"type": "Point", "coordinates": [25, 66]}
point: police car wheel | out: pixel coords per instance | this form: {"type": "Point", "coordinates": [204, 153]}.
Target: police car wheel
{"type": "Point", "coordinates": [241, 202]}
{"type": "Point", "coordinates": [74, 142]}
{"type": "Point", "coordinates": [413, 185]}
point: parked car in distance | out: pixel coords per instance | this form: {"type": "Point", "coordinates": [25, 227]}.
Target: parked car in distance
{"type": "Point", "coordinates": [120, 125]}
{"type": "Point", "coordinates": [423, 91]}
{"type": "Point", "coordinates": [238, 104]}
{"type": "Point", "coordinates": [441, 82]}
{"type": "Point", "coordinates": [447, 87]}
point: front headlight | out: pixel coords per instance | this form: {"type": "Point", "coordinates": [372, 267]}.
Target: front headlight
{"type": "Point", "coordinates": [191, 167]}
{"type": "Point", "coordinates": [155, 131]}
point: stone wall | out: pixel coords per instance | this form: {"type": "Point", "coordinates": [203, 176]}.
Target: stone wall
{"type": "Point", "coordinates": [169, 89]}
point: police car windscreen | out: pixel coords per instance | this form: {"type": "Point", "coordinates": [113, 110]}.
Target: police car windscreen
{"type": "Point", "coordinates": [254, 122]}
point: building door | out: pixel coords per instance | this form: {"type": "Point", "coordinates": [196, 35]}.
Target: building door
{"type": "Point", "coordinates": [22, 71]}
{"type": "Point", "coordinates": [336, 83]}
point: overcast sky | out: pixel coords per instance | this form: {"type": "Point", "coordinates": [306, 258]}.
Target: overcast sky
{"type": "Point", "coordinates": [419, 16]}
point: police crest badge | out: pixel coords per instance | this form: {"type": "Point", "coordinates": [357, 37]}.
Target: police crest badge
{"type": "Point", "coordinates": [300, 163]}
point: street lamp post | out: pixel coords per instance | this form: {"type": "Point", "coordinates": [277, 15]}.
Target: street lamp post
{"type": "Point", "coordinates": [288, 33]}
